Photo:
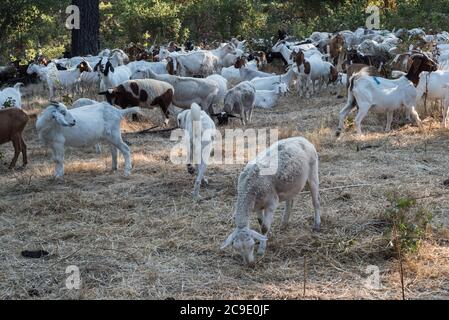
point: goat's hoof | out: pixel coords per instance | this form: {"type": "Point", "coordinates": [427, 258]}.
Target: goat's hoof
{"type": "Point", "coordinates": [338, 134]}
{"type": "Point", "coordinates": [205, 182]}
{"type": "Point", "coordinates": [191, 169]}
{"type": "Point", "coordinates": [316, 228]}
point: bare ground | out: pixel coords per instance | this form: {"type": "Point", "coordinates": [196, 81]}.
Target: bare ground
{"type": "Point", "coordinates": [143, 237]}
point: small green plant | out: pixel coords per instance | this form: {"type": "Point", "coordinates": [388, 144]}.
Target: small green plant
{"type": "Point", "coordinates": [408, 222]}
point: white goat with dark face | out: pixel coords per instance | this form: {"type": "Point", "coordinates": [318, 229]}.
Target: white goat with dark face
{"type": "Point", "coordinates": [278, 174]}
{"type": "Point", "coordinates": [58, 127]}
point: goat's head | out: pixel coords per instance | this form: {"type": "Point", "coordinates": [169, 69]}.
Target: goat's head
{"type": "Point", "coordinates": [171, 66]}
{"type": "Point", "coordinates": [243, 240]}
{"type": "Point", "coordinates": [84, 67]}
{"type": "Point", "coordinates": [229, 48]}
{"type": "Point", "coordinates": [61, 115]}
{"type": "Point", "coordinates": [99, 67]}
{"type": "Point", "coordinates": [299, 58]}
{"type": "Point", "coordinates": [240, 62]}
{"type": "Point", "coordinates": [419, 63]}
{"type": "Point", "coordinates": [108, 67]}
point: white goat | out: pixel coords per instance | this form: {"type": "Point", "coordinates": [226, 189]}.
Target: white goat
{"type": "Point", "coordinates": [200, 130]}
{"type": "Point", "coordinates": [85, 126]}
{"type": "Point", "coordinates": [270, 83]}
{"type": "Point", "coordinates": [380, 96]}
{"type": "Point", "coordinates": [240, 100]}
{"type": "Point", "coordinates": [267, 99]}
{"type": "Point", "coordinates": [232, 74]}
{"type": "Point", "coordinates": [432, 87]}
{"type": "Point", "coordinates": [11, 97]}
{"type": "Point", "coordinates": [65, 79]}
{"type": "Point", "coordinates": [278, 174]}
{"type": "Point", "coordinates": [189, 90]}
{"type": "Point", "coordinates": [113, 77]}
{"type": "Point", "coordinates": [222, 84]}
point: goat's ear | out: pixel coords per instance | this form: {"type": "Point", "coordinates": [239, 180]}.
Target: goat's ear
{"type": "Point", "coordinates": [111, 68]}
{"type": "Point", "coordinates": [229, 240]}
{"type": "Point", "coordinates": [103, 93]}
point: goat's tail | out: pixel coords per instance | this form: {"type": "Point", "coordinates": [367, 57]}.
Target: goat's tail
{"type": "Point", "coordinates": [18, 85]}
{"type": "Point", "coordinates": [135, 110]}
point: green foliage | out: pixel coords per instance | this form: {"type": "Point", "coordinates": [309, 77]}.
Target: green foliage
{"type": "Point", "coordinates": [408, 222]}
{"type": "Point", "coordinates": [28, 27]}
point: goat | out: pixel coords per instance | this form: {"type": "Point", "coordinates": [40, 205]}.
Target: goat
{"type": "Point", "coordinates": [112, 77]}
{"type": "Point", "coordinates": [295, 162]}
{"type": "Point", "coordinates": [58, 127]}
{"type": "Point", "coordinates": [313, 70]}
{"type": "Point", "coordinates": [241, 100]}
{"type": "Point", "coordinates": [381, 96]}
{"type": "Point", "coordinates": [269, 83]}
{"type": "Point", "coordinates": [267, 99]}
{"type": "Point", "coordinates": [12, 124]}
{"type": "Point", "coordinates": [432, 87]}
{"type": "Point", "coordinates": [65, 79]}
{"type": "Point", "coordinates": [146, 93]}
{"type": "Point", "coordinates": [11, 97]}
{"type": "Point", "coordinates": [189, 90]}
{"type": "Point", "coordinates": [200, 130]}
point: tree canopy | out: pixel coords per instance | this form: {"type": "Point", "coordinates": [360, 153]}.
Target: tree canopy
{"type": "Point", "coordinates": [31, 26]}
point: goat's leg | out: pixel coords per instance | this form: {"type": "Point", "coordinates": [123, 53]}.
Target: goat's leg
{"type": "Point", "coordinates": [58, 158]}
{"type": "Point", "coordinates": [199, 178]}
{"type": "Point", "coordinates": [250, 115]}
{"type": "Point", "coordinates": [363, 111]}
{"type": "Point", "coordinates": [415, 116]}
{"type": "Point", "coordinates": [314, 184]}
{"type": "Point", "coordinates": [286, 215]}
{"type": "Point", "coordinates": [24, 151]}
{"type": "Point", "coordinates": [389, 121]}
{"type": "Point", "coordinates": [344, 113]}
{"type": "Point", "coordinates": [267, 221]}
{"type": "Point", "coordinates": [125, 151]}
{"type": "Point", "coordinates": [17, 149]}
{"type": "Point", "coordinates": [260, 215]}
{"type": "Point", "coordinates": [114, 155]}
{"type": "Point", "coordinates": [445, 113]}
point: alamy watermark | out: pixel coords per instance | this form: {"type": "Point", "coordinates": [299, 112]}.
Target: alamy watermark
{"type": "Point", "coordinates": [373, 21]}
{"type": "Point", "coordinates": [73, 281]}
{"type": "Point", "coordinates": [73, 20]}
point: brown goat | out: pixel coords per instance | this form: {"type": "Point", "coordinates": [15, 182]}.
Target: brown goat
{"type": "Point", "coordinates": [12, 124]}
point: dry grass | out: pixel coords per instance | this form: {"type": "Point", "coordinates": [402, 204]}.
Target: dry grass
{"type": "Point", "coordinates": [145, 238]}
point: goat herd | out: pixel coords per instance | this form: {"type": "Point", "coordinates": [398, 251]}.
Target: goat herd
{"type": "Point", "coordinates": [229, 82]}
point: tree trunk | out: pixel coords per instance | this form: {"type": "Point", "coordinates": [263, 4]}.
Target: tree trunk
{"type": "Point", "coordinates": [86, 40]}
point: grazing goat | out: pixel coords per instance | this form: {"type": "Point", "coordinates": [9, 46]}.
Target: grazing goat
{"type": "Point", "coordinates": [189, 90]}
{"type": "Point", "coordinates": [200, 130]}
{"type": "Point", "coordinates": [381, 96]}
{"type": "Point", "coordinates": [241, 100]}
{"type": "Point", "coordinates": [11, 97]}
{"type": "Point", "coordinates": [295, 163]}
{"type": "Point", "coordinates": [146, 93]}
{"type": "Point", "coordinates": [222, 84]}
{"type": "Point", "coordinates": [58, 127]}
{"type": "Point", "coordinates": [12, 124]}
